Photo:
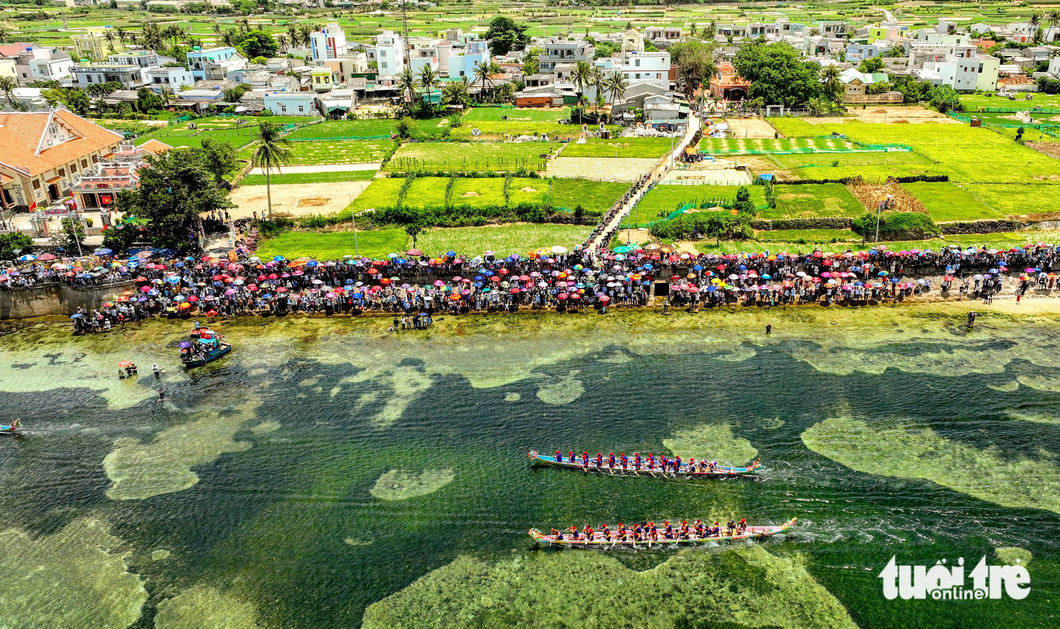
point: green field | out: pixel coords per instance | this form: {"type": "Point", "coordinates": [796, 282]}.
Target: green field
{"type": "Point", "coordinates": [340, 152]}
{"type": "Point", "coordinates": [469, 156]}
{"type": "Point", "coordinates": [515, 116]}
{"type": "Point", "coordinates": [799, 236]}
{"type": "Point", "coordinates": [1018, 200]}
{"type": "Point", "coordinates": [302, 178]}
{"type": "Point", "coordinates": [494, 130]}
{"type": "Point", "coordinates": [972, 102]}
{"type": "Point", "coordinates": [995, 241]}
{"type": "Point", "coordinates": [873, 167]}
{"type": "Point", "coordinates": [594, 197]}
{"type": "Point", "coordinates": [332, 129]}
{"type": "Point", "coordinates": [663, 200]}
{"type": "Point", "coordinates": [948, 202]}
{"type": "Point", "coordinates": [502, 239]}
{"type": "Point", "coordinates": [813, 201]}
{"type": "Point", "coordinates": [746, 146]}
{"type": "Point", "coordinates": [620, 147]}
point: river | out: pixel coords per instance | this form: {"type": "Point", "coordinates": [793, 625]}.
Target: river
{"type": "Point", "coordinates": [330, 474]}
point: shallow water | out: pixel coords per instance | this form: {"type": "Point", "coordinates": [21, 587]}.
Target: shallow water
{"type": "Point", "coordinates": [325, 466]}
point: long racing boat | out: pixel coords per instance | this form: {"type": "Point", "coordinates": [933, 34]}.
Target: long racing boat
{"type": "Point", "coordinates": [646, 538]}
{"type": "Point", "coordinates": [644, 466]}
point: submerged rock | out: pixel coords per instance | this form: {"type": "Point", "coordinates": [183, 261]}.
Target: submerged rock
{"type": "Point", "coordinates": [402, 484]}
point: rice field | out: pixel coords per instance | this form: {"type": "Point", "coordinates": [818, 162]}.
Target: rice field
{"type": "Point", "coordinates": [620, 148]}
{"type": "Point", "coordinates": [470, 156]}
{"type": "Point", "coordinates": [949, 202]}
{"type": "Point", "coordinates": [813, 201]}
{"type": "Point", "coordinates": [752, 146]}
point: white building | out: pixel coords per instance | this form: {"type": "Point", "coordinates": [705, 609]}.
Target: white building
{"type": "Point", "coordinates": [650, 67]}
{"type": "Point", "coordinates": [88, 74]}
{"type": "Point", "coordinates": [328, 43]}
{"type": "Point", "coordinates": [389, 55]}
{"type": "Point", "coordinates": [964, 69]}
{"type": "Point", "coordinates": [47, 65]}
{"type": "Point", "coordinates": [173, 77]}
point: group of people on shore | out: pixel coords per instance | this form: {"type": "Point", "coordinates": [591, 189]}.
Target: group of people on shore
{"type": "Point", "coordinates": [412, 286]}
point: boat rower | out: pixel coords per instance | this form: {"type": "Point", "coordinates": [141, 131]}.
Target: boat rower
{"type": "Point", "coordinates": [651, 461]}
{"type": "Point", "coordinates": [599, 460]}
{"type": "Point", "coordinates": [636, 461]}
{"type": "Point", "coordinates": [585, 459]}
{"type": "Point", "coordinates": [691, 465]}
{"type": "Point", "coordinates": [742, 528]}
{"type": "Point", "coordinates": [611, 461]}
{"type": "Point", "coordinates": [731, 526]}
{"type": "Point", "coordinates": [559, 456]}
{"type": "Point", "coordinates": [625, 461]}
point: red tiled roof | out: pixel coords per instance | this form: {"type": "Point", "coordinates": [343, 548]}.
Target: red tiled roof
{"type": "Point", "coordinates": [21, 135]}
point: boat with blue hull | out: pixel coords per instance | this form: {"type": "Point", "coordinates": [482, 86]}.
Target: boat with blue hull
{"type": "Point", "coordinates": [204, 347]}
{"type": "Point", "coordinates": [10, 429]}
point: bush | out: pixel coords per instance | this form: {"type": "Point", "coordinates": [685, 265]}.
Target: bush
{"type": "Point", "coordinates": [12, 243]}
{"type": "Point", "coordinates": [275, 227]}
{"type": "Point", "coordinates": [982, 227]}
{"type": "Point", "coordinates": [702, 225]}
{"type": "Point", "coordinates": [896, 226]}
{"type": "Point", "coordinates": [833, 222]}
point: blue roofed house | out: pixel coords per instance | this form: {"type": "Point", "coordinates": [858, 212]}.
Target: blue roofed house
{"type": "Point", "coordinates": [213, 64]}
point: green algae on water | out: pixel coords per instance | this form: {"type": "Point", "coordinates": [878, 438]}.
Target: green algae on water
{"type": "Point", "coordinates": [562, 390]}
{"type": "Point", "coordinates": [402, 484]}
{"type": "Point", "coordinates": [160, 555]}
{"type": "Point", "coordinates": [73, 578]}
{"type": "Point", "coordinates": [141, 470]}
{"type": "Point", "coordinates": [1013, 556]}
{"type": "Point", "coordinates": [203, 607]}
{"type": "Point", "coordinates": [512, 397]}
{"type": "Point", "coordinates": [713, 442]}
{"type": "Point", "coordinates": [745, 586]}
{"type": "Point", "coordinates": [909, 452]}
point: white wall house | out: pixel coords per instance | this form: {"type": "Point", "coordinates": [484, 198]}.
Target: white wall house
{"type": "Point", "coordinates": [651, 67]}
{"type": "Point", "coordinates": [328, 43]}
{"type": "Point", "coordinates": [389, 55]}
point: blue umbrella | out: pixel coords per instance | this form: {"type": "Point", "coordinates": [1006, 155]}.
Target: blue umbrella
{"type": "Point", "coordinates": [699, 267]}
{"type": "Point", "coordinates": [312, 263]}
{"type": "Point", "coordinates": [103, 252]}
{"type": "Point", "coordinates": [184, 344]}
{"type": "Point", "coordinates": [76, 315]}
{"type": "Point", "coordinates": [278, 259]}
{"type": "Point", "coordinates": [266, 296]}
{"type": "Point", "coordinates": [451, 254]}
{"type": "Point", "coordinates": [27, 258]}
{"type": "Point", "coordinates": [173, 279]}
{"type": "Point", "coordinates": [348, 281]}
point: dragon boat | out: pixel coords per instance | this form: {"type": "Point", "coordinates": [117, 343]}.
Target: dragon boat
{"type": "Point", "coordinates": [599, 540]}
{"type": "Point", "coordinates": [206, 346]}
{"type": "Point", "coordinates": [10, 429]}
{"type": "Point", "coordinates": [699, 470]}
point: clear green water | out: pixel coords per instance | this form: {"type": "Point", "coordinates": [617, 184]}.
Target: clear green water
{"type": "Point", "coordinates": [324, 467]}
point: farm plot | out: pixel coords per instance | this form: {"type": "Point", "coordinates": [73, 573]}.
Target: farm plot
{"type": "Point", "coordinates": [595, 197]}
{"type": "Point", "coordinates": [596, 169]}
{"type": "Point", "coordinates": [340, 152]}
{"type": "Point", "coordinates": [663, 200]}
{"type": "Point", "coordinates": [470, 156]}
{"type": "Point", "coordinates": [813, 201]}
{"type": "Point", "coordinates": [620, 148]}
{"type": "Point", "coordinates": [870, 166]}
{"type": "Point", "coordinates": [495, 130]}
{"type": "Point", "coordinates": [1019, 200]}
{"type": "Point", "coordinates": [750, 146]}
{"type": "Point", "coordinates": [948, 202]}
{"type": "Point", "coordinates": [424, 192]}
{"type": "Point", "coordinates": [495, 114]}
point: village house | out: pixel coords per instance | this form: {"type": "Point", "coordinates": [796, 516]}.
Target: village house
{"type": "Point", "coordinates": [44, 152]}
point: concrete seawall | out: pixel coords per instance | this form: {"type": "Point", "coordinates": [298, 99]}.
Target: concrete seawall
{"type": "Point", "coordinates": [52, 299]}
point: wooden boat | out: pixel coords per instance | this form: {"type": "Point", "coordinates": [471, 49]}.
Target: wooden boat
{"type": "Point", "coordinates": [699, 471]}
{"type": "Point", "coordinates": [599, 541]}
{"type": "Point", "coordinates": [192, 359]}
{"type": "Point", "coordinates": [10, 429]}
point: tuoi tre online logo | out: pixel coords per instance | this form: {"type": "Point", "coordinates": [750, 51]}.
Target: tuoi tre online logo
{"type": "Point", "coordinates": [948, 584]}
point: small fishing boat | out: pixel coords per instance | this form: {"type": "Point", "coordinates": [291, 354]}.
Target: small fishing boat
{"type": "Point", "coordinates": [701, 469]}
{"type": "Point", "coordinates": [10, 429]}
{"type": "Point", "coordinates": [599, 540]}
{"type": "Point", "coordinates": [206, 346]}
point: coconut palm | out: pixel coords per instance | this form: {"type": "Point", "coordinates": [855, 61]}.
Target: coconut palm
{"type": "Point", "coordinates": [483, 72]}
{"type": "Point", "coordinates": [122, 35]}
{"type": "Point", "coordinates": [580, 76]}
{"type": "Point", "coordinates": [305, 33]}
{"type": "Point", "coordinates": [7, 86]}
{"type": "Point", "coordinates": [109, 36]}
{"type": "Point", "coordinates": [457, 92]}
{"type": "Point", "coordinates": [833, 87]}
{"type": "Point", "coordinates": [428, 80]}
{"type": "Point", "coordinates": [272, 152]}
{"type": "Point", "coordinates": [406, 83]}
{"type": "Point", "coordinates": [1053, 18]}
{"type": "Point", "coordinates": [282, 40]}
{"type": "Point", "coordinates": [616, 85]}
{"type": "Point", "coordinates": [596, 81]}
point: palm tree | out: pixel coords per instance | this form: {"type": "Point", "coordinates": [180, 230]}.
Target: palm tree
{"type": "Point", "coordinates": [4, 33]}
{"type": "Point", "coordinates": [616, 85]}
{"type": "Point", "coordinates": [596, 81]}
{"type": "Point", "coordinates": [456, 92]}
{"type": "Point", "coordinates": [217, 27]}
{"type": "Point", "coordinates": [272, 152]}
{"type": "Point", "coordinates": [109, 36]}
{"type": "Point", "coordinates": [1053, 17]}
{"type": "Point", "coordinates": [482, 73]}
{"type": "Point", "coordinates": [122, 34]}
{"type": "Point", "coordinates": [833, 87]}
{"type": "Point", "coordinates": [305, 33]}
{"type": "Point", "coordinates": [428, 80]}
{"type": "Point", "coordinates": [281, 39]}
{"type": "Point", "coordinates": [407, 83]}
{"type": "Point", "coordinates": [580, 76]}
{"type": "Point", "coordinates": [292, 33]}
{"type": "Point", "coordinates": [7, 86]}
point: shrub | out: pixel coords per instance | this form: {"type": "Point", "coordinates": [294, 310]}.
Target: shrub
{"type": "Point", "coordinates": [701, 225]}
{"type": "Point", "coordinates": [896, 226]}
{"type": "Point", "coordinates": [12, 243]}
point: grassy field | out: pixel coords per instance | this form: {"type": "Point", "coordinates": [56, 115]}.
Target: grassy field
{"type": "Point", "coordinates": [594, 197]}
{"type": "Point", "coordinates": [800, 236]}
{"type": "Point", "coordinates": [662, 200]}
{"type": "Point", "coordinates": [972, 102]}
{"type": "Point", "coordinates": [948, 202]}
{"type": "Point", "coordinates": [742, 146]}
{"type": "Point", "coordinates": [493, 130]}
{"type": "Point", "coordinates": [995, 241]}
{"type": "Point", "coordinates": [302, 178]}
{"type": "Point", "coordinates": [502, 239]}
{"type": "Point", "coordinates": [515, 116]}
{"type": "Point", "coordinates": [870, 166]}
{"type": "Point", "coordinates": [340, 152]}
{"type": "Point", "coordinates": [620, 147]}
{"type": "Point", "coordinates": [967, 155]}
{"type": "Point", "coordinates": [345, 129]}
{"type": "Point", "coordinates": [469, 156]}
{"type": "Point", "coordinates": [1019, 200]}
{"type": "Point", "coordinates": [813, 201]}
